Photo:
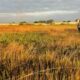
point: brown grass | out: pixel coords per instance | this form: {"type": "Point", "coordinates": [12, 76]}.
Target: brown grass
{"type": "Point", "coordinates": [49, 52]}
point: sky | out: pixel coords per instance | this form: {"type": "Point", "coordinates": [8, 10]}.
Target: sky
{"type": "Point", "coordinates": [31, 10]}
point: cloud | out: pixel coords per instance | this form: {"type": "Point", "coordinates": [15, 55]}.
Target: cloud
{"type": "Point", "coordinates": [37, 13]}
{"type": "Point", "coordinates": [7, 14]}
{"type": "Point", "coordinates": [48, 13]}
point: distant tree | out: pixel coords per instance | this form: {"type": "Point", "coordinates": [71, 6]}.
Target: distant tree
{"type": "Point", "coordinates": [64, 21]}
{"type": "Point", "coordinates": [68, 21]}
{"type": "Point", "coordinates": [45, 21]}
{"type": "Point", "coordinates": [23, 23]}
{"type": "Point", "coordinates": [35, 21]}
{"type": "Point", "coordinates": [50, 21]}
{"type": "Point", "coordinates": [41, 21]}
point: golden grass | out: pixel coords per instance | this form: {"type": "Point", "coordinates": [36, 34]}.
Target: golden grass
{"type": "Point", "coordinates": [29, 52]}
{"type": "Point", "coordinates": [27, 28]}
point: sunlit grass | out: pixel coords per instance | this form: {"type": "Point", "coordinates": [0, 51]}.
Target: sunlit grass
{"type": "Point", "coordinates": [40, 55]}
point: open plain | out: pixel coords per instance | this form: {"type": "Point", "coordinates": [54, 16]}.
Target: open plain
{"type": "Point", "coordinates": [39, 52]}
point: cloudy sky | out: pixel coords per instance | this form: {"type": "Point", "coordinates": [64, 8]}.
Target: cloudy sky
{"type": "Point", "coordinates": [30, 10]}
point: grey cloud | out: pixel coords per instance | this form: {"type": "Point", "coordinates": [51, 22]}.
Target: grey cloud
{"type": "Point", "coordinates": [23, 6]}
{"type": "Point", "coordinates": [33, 5]}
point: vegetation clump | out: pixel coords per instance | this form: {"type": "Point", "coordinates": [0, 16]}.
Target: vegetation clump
{"type": "Point", "coordinates": [39, 56]}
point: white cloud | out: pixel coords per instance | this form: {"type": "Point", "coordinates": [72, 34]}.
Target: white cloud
{"type": "Point", "coordinates": [41, 13]}
{"type": "Point", "coordinates": [48, 13]}
{"type": "Point", "coordinates": [7, 14]}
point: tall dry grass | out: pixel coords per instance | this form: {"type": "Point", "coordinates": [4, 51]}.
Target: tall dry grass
{"type": "Point", "coordinates": [40, 56]}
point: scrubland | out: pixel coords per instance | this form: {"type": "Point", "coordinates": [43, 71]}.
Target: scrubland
{"type": "Point", "coordinates": [30, 52]}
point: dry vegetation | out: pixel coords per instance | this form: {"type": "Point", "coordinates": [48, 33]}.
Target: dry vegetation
{"type": "Point", "coordinates": [39, 52]}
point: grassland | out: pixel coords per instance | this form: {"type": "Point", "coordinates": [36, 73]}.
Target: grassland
{"type": "Point", "coordinates": [39, 52]}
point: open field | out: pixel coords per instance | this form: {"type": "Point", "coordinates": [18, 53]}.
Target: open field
{"type": "Point", "coordinates": [30, 28]}
{"type": "Point", "coordinates": [39, 52]}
